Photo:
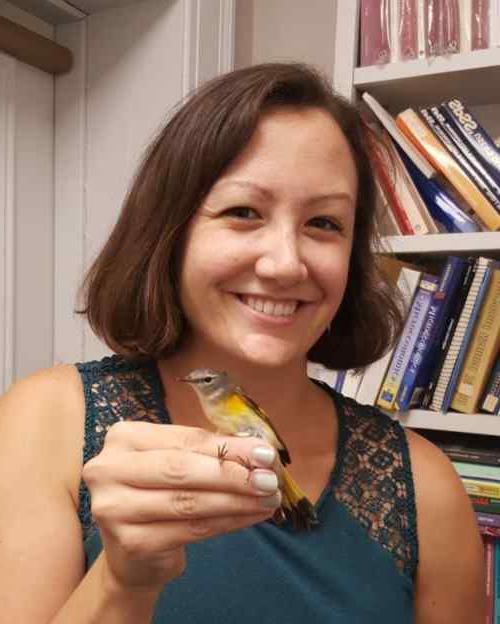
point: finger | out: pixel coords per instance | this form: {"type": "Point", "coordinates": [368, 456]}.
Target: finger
{"type": "Point", "coordinates": [130, 505]}
{"type": "Point", "coordinates": [177, 469]}
{"type": "Point", "coordinates": [146, 540]}
{"type": "Point", "coordinates": [141, 436]}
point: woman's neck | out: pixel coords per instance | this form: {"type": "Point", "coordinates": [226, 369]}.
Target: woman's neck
{"type": "Point", "coordinates": [284, 393]}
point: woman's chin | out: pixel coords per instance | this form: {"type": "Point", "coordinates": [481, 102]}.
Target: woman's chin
{"type": "Point", "coordinates": [269, 352]}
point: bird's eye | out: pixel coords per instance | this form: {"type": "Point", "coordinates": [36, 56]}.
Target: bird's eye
{"type": "Point", "coordinates": [207, 379]}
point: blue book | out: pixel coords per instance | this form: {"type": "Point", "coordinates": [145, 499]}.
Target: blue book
{"type": "Point", "coordinates": [443, 209]}
{"type": "Point", "coordinates": [339, 381]}
{"type": "Point", "coordinates": [442, 344]}
{"type": "Point", "coordinates": [433, 119]}
{"type": "Point", "coordinates": [445, 120]}
{"type": "Point", "coordinates": [404, 348]}
{"type": "Point", "coordinates": [483, 289]}
{"type": "Point", "coordinates": [479, 139]}
{"type": "Point", "coordinates": [425, 352]}
{"type": "Point", "coordinates": [421, 345]}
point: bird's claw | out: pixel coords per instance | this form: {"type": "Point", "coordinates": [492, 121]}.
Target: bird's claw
{"type": "Point", "coordinates": [222, 451]}
{"type": "Point", "coordinates": [246, 463]}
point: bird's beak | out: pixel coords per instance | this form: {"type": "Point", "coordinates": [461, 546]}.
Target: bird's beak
{"type": "Point", "coordinates": [182, 379]}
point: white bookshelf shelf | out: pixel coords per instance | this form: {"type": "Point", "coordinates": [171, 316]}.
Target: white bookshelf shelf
{"type": "Point", "coordinates": [473, 76]}
{"type": "Point", "coordinates": [484, 424]}
{"type": "Point", "coordinates": [487, 243]}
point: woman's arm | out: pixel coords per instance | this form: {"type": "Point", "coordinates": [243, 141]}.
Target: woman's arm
{"type": "Point", "coordinates": [450, 583]}
{"type": "Point", "coordinates": [154, 490]}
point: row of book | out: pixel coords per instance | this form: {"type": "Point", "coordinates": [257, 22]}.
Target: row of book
{"type": "Point", "coordinates": [477, 461]}
{"type": "Point", "coordinates": [400, 30]}
{"type": "Point", "coordinates": [447, 357]}
{"type": "Point", "coordinates": [437, 169]}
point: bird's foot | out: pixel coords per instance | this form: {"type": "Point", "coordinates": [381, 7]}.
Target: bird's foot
{"type": "Point", "coordinates": [247, 464]}
{"type": "Point", "coordinates": [222, 451]}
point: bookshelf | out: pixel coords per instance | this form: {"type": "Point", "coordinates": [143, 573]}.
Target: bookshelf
{"type": "Point", "coordinates": [474, 76]}
{"type": "Point", "coordinates": [486, 243]}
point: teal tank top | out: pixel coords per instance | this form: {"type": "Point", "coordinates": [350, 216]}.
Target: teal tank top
{"type": "Point", "coordinates": [357, 567]}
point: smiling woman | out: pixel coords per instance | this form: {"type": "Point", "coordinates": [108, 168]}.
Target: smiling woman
{"type": "Point", "coordinates": [243, 250]}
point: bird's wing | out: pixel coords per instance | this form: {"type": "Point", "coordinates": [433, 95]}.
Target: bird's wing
{"type": "Point", "coordinates": [283, 451]}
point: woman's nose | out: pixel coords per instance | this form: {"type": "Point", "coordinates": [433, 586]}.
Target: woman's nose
{"type": "Point", "coordinates": [281, 260]}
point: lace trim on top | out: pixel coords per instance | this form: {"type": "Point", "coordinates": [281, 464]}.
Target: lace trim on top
{"type": "Point", "coordinates": [115, 389]}
{"type": "Point", "coordinates": [374, 481]}
{"type": "Point", "coordinates": [372, 478]}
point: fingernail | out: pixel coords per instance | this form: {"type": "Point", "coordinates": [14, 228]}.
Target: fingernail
{"type": "Point", "coordinates": [264, 481]}
{"type": "Point", "coordinates": [271, 502]}
{"type": "Point", "coordinates": [265, 455]}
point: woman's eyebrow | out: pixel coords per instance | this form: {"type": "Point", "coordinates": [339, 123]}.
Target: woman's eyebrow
{"type": "Point", "coordinates": [252, 186]}
{"type": "Point", "coordinates": [268, 193]}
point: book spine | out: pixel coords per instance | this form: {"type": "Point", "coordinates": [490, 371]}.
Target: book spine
{"type": "Point", "coordinates": [482, 488]}
{"type": "Point", "coordinates": [482, 350]}
{"type": "Point", "coordinates": [495, 42]}
{"type": "Point", "coordinates": [486, 519]}
{"type": "Point", "coordinates": [374, 32]}
{"type": "Point", "coordinates": [489, 561]}
{"type": "Point", "coordinates": [351, 384]}
{"type": "Point", "coordinates": [445, 120]}
{"type": "Point", "coordinates": [442, 342]}
{"type": "Point", "coordinates": [441, 206]}
{"type": "Point", "coordinates": [446, 372]}
{"type": "Point", "coordinates": [491, 400]}
{"type": "Point", "coordinates": [372, 379]}
{"type": "Point", "coordinates": [475, 134]}
{"type": "Point", "coordinates": [420, 350]}
{"type": "Point", "coordinates": [406, 145]}
{"type": "Point", "coordinates": [429, 145]}
{"type": "Point", "coordinates": [465, 341]}
{"type": "Point", "coordinates": [496, 601]}
{"type": "Point", "coordinates": [476, 471]}
{"type": "Point", "coordinates": [416, 211]}
{"type": "Point", "coordinates": [473, 456]}
{"type": "Point", "coordinates": [433, 120]}
{"type": "Point", "coordinates": [339, 382]}
{"type": "Point", "coordinates": [484, 504]}
{"type": "Point", "coordinates": [404, 348]}
{"type": "Point", "coordinates": [388, 187]}
{"type": "Point", "coordinates": [426, 349]}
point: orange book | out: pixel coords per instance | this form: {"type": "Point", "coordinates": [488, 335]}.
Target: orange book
{"type": "Point", "coordinates": [429, 145]}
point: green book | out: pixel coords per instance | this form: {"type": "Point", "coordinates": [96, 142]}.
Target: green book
{"type": "Point", "coordinates": [477, 471]}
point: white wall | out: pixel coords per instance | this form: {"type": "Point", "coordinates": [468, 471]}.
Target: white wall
{"type": "Point", "coordinates": [26, 210]}
{"type": "Point", "coordinates": [276, 30]}
{"type": "Point", "coordinates": [131, 66]}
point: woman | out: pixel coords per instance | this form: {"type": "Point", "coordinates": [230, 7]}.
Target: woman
{"type": "Point", "coordinates": [244, 245]}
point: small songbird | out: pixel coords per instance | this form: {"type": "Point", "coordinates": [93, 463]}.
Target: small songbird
{"type": "Point", "coordinates": [233, 412]}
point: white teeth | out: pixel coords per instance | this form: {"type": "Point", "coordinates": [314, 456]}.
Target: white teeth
{"type": "Point", "coordinates": [272, 308]}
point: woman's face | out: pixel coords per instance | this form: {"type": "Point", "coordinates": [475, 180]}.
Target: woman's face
{"type": "Point", "coordinates": [267, 254]}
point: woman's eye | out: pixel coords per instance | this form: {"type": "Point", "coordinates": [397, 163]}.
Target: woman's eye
{"type": "Point", "coordinates": [242, 212]}
{"type": "Point", "coordinates": [325, 223]}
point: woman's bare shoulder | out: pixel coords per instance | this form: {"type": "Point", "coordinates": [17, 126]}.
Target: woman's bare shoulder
{"type": "Point", "coordinates": [450, 575]}
{"type": "Point", "coordinates": [45, 413]}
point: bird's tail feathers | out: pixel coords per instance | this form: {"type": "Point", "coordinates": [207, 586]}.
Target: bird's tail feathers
{"type": "Point", "coordinates": [295, 506]}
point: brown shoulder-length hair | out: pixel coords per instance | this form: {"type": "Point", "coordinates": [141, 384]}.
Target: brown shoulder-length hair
{"type": "Point", "coordinates": [130, 295]}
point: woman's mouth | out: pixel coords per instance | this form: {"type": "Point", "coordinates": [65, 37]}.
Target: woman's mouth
{"type": "Point", "coordinates": [270, 307]}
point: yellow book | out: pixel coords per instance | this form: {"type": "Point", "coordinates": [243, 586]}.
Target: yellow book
{"type": "Point", "coordinates": [481, 352]}
{"type": "Point", "coordinates": [481, 488]}
{"type": "Point", "coordinates": [429, 145]}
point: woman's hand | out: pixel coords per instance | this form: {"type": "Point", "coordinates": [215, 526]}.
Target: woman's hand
{"type": "Point", "coordinates": [156, 488]}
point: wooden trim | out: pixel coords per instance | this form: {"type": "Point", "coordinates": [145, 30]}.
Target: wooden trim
{"type": "Point", "coordinates": [34, 49]}
{"type": "Point", "coordinates": [7, 230]}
